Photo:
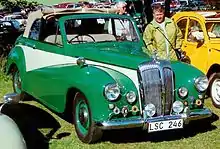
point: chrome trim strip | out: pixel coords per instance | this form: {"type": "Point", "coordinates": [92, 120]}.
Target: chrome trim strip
{"type": "Point", "coordinates": [200, 115]}
{"type": "Point", "coordinates": [132, 123]}
{"type": "Point", "coordinates": [117, 124]}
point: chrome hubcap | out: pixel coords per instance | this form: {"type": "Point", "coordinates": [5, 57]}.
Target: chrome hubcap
{"type": "Point", "coordinates": [17, 81]}
{"type": "Point", "coordinates": [83, 116]}
{"type": "Point", "coordinates": [215, 90]}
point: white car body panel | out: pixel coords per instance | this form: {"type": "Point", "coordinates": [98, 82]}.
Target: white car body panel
{"type": "Point", "coordinates": [10, 135]}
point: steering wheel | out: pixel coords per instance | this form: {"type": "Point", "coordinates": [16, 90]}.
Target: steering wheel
{"type": "Point", "coordinates": [77, 36]}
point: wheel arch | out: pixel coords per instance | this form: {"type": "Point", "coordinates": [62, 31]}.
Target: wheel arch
{"type": "Point", "coordinates": [16, 57]}
{"type": "Point", "coordinates": [71, 92]}
{"type": "Point", "coordinates": [11, 68]}
{"type": "Point", "coordinates": [215, 68]}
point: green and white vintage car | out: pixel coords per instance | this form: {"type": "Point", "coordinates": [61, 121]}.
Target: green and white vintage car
{"type": "Point", "coordinates": [88, 64]}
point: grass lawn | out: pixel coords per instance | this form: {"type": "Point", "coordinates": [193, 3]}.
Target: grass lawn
{"type": "Point", "coordinates": [39, 127]}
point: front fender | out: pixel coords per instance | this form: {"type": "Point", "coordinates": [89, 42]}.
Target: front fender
{"type": "Point", "coordinates": [92, 81]}
{"type": "Point", "coordinates": [16, 57]}
{"type": "Point", "coordinates": [185, 76]}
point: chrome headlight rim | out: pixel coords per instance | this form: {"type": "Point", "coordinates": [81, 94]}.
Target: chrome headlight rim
{"type": "Point", "coordinates": [178, 106]}
{"type": "Point", "coordinates": [108, 94]}
{"type": "Point", "coordinates": [181, 94]}
{"type": "Point", "coordinates": [198, 85]}
{"type": "Point", "coordinates": [130, 94]}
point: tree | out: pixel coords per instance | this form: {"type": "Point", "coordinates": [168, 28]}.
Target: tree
{"type": "Point", "coordinates": [11, 4]}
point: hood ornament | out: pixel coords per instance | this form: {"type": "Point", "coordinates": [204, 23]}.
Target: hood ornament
{"type": "Point", "coordinates": [155, 56]}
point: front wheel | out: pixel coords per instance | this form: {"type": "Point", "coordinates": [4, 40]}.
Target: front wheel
{"type": "Point", "coordinates": [17, 85]}
{"type": "Point", "coordinates": [16, 78]}
{"type": "Point", "coordinates": [85, 128]}
{"type": "Point", "coordinates": [214, 89]}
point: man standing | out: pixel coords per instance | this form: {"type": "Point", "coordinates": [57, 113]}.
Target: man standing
{"type": "Point", "coordinates": [162, 35]}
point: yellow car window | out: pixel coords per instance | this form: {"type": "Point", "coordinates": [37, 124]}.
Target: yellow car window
{"type": "Point", "coordinates": [194, 31]}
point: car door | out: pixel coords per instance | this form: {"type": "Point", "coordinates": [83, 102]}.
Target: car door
{"type": "Point", "coordinates": [31, 60]}
{"type": "Point", "coordinates": [194, 43]}
{"type": "Point", "coordinates": [43, 51]}
{"type": "Point", "coordinates": [50, 51]}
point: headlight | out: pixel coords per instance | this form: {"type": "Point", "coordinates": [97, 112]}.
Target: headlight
{"type": "Point", "coordinates": [131, 97]}
{"type": "Point", "coordinates": [183, 92]}
{"type": "Point", "coordinates": [201, 83]}
{"type": "Point", "coordinates": [177, 106]}
{"type": "Point", "coordinates": [112, 92]}
{"type": "Point", "coordinates": [150, 109]}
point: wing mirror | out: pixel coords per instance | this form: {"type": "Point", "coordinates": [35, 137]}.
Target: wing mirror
{"type": "Point", "coordinates": [81, 61]}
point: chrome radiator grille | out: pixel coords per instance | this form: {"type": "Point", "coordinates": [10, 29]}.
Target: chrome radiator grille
{"type": "Point", "coordinates": [156, 86]}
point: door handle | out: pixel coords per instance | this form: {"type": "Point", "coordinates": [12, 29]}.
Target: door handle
{"type": "Point", "coordinates": [34, 46]}
{"type": "Point", "coordinates": [31, 45]}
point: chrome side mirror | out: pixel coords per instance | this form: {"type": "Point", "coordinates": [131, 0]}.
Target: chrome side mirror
{"type": "Point", "coordinates": [81, 61]}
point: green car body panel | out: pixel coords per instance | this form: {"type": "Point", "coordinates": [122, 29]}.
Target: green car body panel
{"type": "Point", "coordinates": [48, 72]}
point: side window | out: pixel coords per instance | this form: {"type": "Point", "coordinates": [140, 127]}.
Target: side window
{"type": "Point", "coordinates": [215, 30]}
{"type": "Point", "coordinates": [182, 25]}
{"type": "Point", "coordinates": [194, 31]}
{"type": "Point", "coordinates": [51, 32]}
{"type": "Point", "coordinates": [35, 30]}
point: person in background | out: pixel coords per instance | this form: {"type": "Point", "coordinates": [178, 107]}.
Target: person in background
{"type": "Point", "coordinates": [162, 36]}
{"type": "Point", "coordinates": [121, 25]}
{"type": "Point", "coordinates": [121, 8]}
{"type": "Point", "coordinates": [86, 5]}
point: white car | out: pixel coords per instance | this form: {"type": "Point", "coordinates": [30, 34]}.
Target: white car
{"type": "Point", "coordinates": [10, 135]}
{"type": "Point", "coordinates": [19, 18]}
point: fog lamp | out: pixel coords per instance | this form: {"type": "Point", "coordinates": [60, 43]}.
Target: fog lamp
{"type": "Point", "coordinates": [150, 109]}
{"type": "Point", "coordinates": [178, 106]}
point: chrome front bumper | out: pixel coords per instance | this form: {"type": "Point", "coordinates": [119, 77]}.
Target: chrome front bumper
{"type": "Point", "coordinates": [132, 123]}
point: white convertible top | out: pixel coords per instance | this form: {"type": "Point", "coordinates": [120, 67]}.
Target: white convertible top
{"type": "Point", "coordinates": [50, 11]}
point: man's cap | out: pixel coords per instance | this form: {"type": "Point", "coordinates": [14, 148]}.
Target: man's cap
{"type": "Point", "coordinates": [158, 5]}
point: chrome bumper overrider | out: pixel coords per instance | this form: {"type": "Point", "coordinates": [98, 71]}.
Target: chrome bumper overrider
{"type": "Point", "coordinates": [132, 123]}
{"type": "Point", "coordinates": [11, 98]}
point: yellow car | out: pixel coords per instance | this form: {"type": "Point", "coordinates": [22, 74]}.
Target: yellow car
{"type": "Point", "coordinates": [201, 42]}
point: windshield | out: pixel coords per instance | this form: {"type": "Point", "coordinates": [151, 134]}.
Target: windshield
{"type": "Point", "coordinates": [100, 30]}
{"type": "Point", "coordinates": [213, 29]}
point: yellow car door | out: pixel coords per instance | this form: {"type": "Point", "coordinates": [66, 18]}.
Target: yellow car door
{"type": "Point", "coordinates": [195, 45]}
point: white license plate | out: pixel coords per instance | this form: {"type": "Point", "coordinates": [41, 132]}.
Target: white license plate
{"type": "Point", "coordinates": [165, 125]}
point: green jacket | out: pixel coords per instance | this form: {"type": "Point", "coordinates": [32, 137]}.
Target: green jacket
{"type": "Point", "coordinates": [155, 40]}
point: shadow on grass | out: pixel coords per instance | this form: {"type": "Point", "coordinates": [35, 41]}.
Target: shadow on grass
{"type": "Point", "coordinates": [29, 120]}
{"type": "Point", "coordinates": [138, 135]}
